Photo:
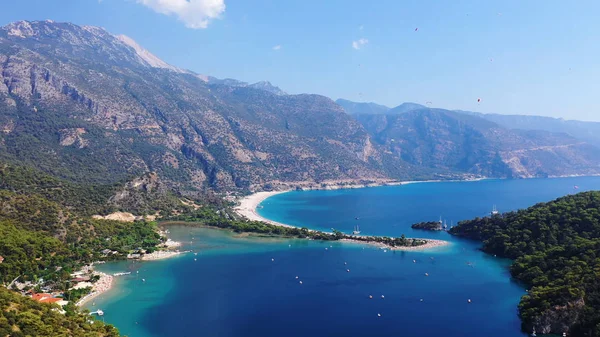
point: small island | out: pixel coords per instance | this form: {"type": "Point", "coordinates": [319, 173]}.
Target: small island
{"type": "Point", "coordinates": [428, 226]}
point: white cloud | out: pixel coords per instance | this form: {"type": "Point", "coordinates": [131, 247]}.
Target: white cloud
{"type": "Point", "coordinates": [277, 47]}
{"type": "Point", "coordinates": [359, 43]}
{"type": "Point", "coordinates": [194, 14]}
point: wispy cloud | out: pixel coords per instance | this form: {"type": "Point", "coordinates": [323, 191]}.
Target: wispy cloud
{"type": "Point", "coordinates": [194, 14]}
{"type": "Point", "coordinates": [277, 47]}
{"type": "Point", "coordinates": [359, 43]}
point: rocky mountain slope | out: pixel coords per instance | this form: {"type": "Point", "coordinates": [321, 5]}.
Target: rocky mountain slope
{"type": "Point", "coordinates": [83, 104]}
{"type": "Point", "coordinates": [443, 139]}
{"type": "Point", "coordinates": [586, 131]}
{"type": "Point", "coordinates": [356, 108]}
{"type": "Point", "coordinates": [90, 107]}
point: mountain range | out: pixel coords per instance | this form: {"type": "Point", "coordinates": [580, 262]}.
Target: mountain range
{"type": "Point", "coordinates": [488, 144]}
{"type": "Point", "coordinates": [87, 106]}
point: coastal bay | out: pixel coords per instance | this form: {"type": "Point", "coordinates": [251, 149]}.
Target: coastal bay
{"type": "Point", "coordinates": [247, 285]}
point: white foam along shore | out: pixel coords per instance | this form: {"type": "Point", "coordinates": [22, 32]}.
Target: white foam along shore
{"type": "Point", "coordinates": [248, 205]}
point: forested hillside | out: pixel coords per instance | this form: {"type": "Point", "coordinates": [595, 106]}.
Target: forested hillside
{"type": "Point", "coordinates": [556, 248]}
{"type": "Point", "coordinates": [21, 316]}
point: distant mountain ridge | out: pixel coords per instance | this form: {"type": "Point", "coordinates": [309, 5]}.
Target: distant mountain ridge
{"type": "Point", "coordinates": [87, 106]}
{"type": "Point", "coordinates": [79, 103]}
{"type": "Point", "coordinates": [355, 108]}
{"type": "Point", "coordinates": [476, 143]}
{"type": "Point", "coordinates": [587, 131]}
{"type": "Point", "coordinates": [584, 130]}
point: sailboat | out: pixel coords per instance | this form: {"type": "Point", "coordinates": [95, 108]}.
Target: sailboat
{"type": "Point", "coordinates": [495, 211]}
{"type": "Point", "coordinates": [445, 225]}
{"type": "Point", "coordinates": [356, 230]}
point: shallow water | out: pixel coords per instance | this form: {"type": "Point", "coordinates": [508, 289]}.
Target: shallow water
{"type": "Point", "coordinates": [234, 288]}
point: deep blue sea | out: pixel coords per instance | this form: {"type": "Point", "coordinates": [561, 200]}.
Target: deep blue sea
{"type": "Point", "coordinates": [245, 286]}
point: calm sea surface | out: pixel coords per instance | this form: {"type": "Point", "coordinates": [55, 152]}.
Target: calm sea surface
{"type": "Point", "coordinates": [240, 286]}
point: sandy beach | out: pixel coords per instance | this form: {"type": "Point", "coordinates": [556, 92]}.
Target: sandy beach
{"type": "Point", "coordinates": [101, 286]}
{"type": "Point", "coordinates": [248, 204]}
{"type": "Point", "coordinates": [431, 243]}
{"type": "Point", "coordinates": [161, 255]}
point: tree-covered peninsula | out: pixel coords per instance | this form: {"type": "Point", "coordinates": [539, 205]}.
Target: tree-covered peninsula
{"type": "Point", "coordinates": [556, 251]}
{"type": "Point", "coordinates": [227, 219]}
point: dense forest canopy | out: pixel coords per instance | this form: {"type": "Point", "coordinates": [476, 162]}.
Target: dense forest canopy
{"type": "Point", "coordinates": [21, 316]}
{"type": "Point", "coordinates": [556, 248]}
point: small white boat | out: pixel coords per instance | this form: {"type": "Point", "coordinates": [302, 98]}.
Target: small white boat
{"type": "Point", "coordinates": [300, 282]}
{"type": "Point", "coordinates": [378, 315]}
{"type": "Point", "coordinates": [382, 297]}
{"type": "Point", "coordinates": [495, 210]}
{"type": "Point", "coordinates": [356, 230]}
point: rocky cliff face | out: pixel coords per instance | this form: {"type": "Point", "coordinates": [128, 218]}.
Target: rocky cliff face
{"type": "Point", "coordinates": [443, 139]}
{"type": "Point", "coordinates": [558, 319]}
{"type": "Point", "coordinates": [105, 104]}
{"type": "Point", "coordinates": [83, 104]}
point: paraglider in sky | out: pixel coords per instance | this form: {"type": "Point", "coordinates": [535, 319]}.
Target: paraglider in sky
{"type": "Point", "coordinates": [479, 100]}
{"type": "Point", "coordinates": [416, 29]}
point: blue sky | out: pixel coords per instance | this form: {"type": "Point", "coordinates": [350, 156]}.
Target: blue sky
{"type": "Point", "coordinates": [519, 57]}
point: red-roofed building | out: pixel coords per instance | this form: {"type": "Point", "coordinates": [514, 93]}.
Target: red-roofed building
{"type": "Point", "coordinates": [1, 259]}
{"type": "Point", "coordinates": [41, 297]}
{"type": "Point", "coordinates": [51, 300]}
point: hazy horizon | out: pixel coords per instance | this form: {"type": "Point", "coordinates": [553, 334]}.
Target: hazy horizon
{"type": "Point", "coordinates": [517, 58]}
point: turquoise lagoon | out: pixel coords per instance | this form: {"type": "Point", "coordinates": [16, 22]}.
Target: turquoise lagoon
{"type": "Point", "coordinates": [245, 286]}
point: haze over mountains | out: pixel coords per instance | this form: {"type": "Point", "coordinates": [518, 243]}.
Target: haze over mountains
{"type": "Point", "coordinates": [88, 106]}
{"type": "Point", "coordinates": [588, 131]}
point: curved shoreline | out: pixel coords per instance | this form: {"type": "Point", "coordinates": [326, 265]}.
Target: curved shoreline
{"type": "Point", "coordinates": [101, 286]}
{"type": "Point", "coordinates": [248, 205]}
